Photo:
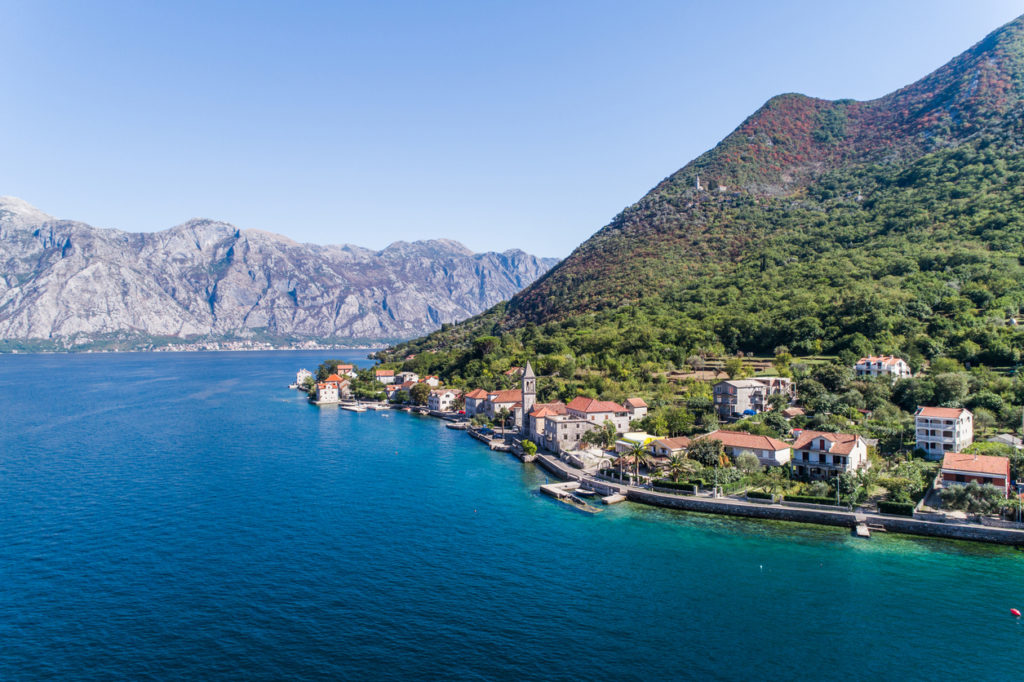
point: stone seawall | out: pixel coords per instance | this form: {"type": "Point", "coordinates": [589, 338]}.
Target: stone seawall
{"type": "Point", "coordinates": [820, 516]}
{"type": "Point", "coordinates": [737, 508]}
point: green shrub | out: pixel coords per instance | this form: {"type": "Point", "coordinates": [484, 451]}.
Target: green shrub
{"type": "Point", "coordinates": [672, 485]}
{"type": "Point", "coordinates": [756, 494]}
{"type": "Point", "coordinates": [897, 508]}
{"type": "Point", "coordinates": [810, 499]}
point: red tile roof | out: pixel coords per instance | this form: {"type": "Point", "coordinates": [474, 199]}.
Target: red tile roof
{"type": "Point", "coordinates": [477, 394]}
{"type": "Point", "coordinates": [635, 402]}
{"type": "Point", "coordinates": [590, 405]}
{"type": "Point", "coordinates": [941, 412]}
{"type": "Point", "coordinates": [335, 377]}
{"type": "Point", "coordinates": [547, 409]}
{"type": "Point", "coordinates": [742, 439]}
{"type": "Point", "coordinates": [513, 370]}
{"type": "Point", "coordinates": [990, 465]}
{"type": "Point", "coordinates": [512, 395]}
{"type": "Point", "coordinates": [678, 443]}
{"type": "Point", "coordinates": [884, 359]}
{"type": "Point", "coordinates": [842, 443]}
{"type": "Point", "coordinates": [344, 368]}
{"type": "Point", "coordinates": [385, 373]}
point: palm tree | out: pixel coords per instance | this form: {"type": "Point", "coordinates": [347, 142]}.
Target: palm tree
{"type": "Point", "coordinates": [503, 415]}
{"type": "Point", "coordinates": [638, 451]}
{"type": "Point", "coordinates": [677, 466]}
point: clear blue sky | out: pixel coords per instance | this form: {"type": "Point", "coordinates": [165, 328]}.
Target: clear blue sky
{"type": "Point", "coordinates": [500, 124]}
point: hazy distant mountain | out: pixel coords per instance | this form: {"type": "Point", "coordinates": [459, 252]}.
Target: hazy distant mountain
{"type": "Point", "coordinates": [64, 279]}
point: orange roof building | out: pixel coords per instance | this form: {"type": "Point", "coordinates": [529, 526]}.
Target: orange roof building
{"type": "Point", "coordinates": [959, 468]}
{"type": "Point", "coordinates": [770, 451]}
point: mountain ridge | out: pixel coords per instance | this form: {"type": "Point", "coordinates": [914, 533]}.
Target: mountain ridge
{"type": "Point", "coordinates": [65, 279]}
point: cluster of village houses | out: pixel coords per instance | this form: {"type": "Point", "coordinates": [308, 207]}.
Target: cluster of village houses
{"type": "Point", "coordinates": [559, 427]}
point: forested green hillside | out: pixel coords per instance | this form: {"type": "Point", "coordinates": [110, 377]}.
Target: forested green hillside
{"type": "Point", "coordinates": [838, 228]}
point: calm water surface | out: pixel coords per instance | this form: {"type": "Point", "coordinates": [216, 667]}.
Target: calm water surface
{"type": "Point", "coordinates": [187, 516]}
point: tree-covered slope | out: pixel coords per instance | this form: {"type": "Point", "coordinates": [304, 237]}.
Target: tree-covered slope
{"type": "Point", "coordinates": [893, 225]}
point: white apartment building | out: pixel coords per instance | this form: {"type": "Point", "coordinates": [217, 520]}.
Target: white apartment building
{"type": "Point", "coordinates": [943, 429]}
{"type": "Point", "coordinates": [882, 365]}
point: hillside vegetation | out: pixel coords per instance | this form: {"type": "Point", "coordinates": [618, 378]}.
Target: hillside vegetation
{"type": "Point", "coordinates": [825, 228]}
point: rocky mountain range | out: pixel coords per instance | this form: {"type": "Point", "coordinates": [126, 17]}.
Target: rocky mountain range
{"type": "Point", "coordinates": [67, 281]}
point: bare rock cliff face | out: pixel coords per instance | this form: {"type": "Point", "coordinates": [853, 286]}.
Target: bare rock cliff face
{"type": "Point", "coordinates": [61, 278]}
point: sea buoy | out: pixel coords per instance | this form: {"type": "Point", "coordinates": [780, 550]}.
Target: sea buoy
{"type": "Point", "coordinates": [1015, 612]}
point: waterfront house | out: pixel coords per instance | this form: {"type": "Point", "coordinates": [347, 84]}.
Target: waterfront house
{"type": "Point", "coordinates": [511, 400]}
{"type": "Point", "coordinates": [882, 365]}
{"type": "Point", "coordinates": [943, 429]}
{"type": "Point", "coordinates": [384, 376]}
{"type": "Point", "coordinates": [443, 399]}
{"type": "Point", "coordinates": [631, 439]}
{"type": "Point", "coordinates": [769, 451]}
{"type": "Point", "coordinates": [475, 400]}
{"type": "Point", "coordinates": [302, 375]}
{"type": "Point", "coordinates": [636, 407]}
{"type": "Point", "coordinates": [820, 454]}
{"type": "Point", "coordinates": [669, 447]}
{"type": "Point", "coordinates": [564, 432]}
{"type": "Point", "coordinates": [341, 385]}
{"type": "Point", "coordinates": [734, 398]}
{"type": "Point", "coordinates": [599, 411]}
{"type": "Point", "coordinates": [346, 371]}
{"type": "Point", "coordinates": [432, 381]}
{"type": "Point", "coordinates": [959, 468]}
{"type": "Point", "coordinates": [536, 419]}
{"type": "Point", "coordinates": [326, 393]}
{"type": "Point", "coordinates": [402, 377]}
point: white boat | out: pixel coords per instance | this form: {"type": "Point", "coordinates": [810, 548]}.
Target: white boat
{"type": "Point", "coordinates": [376, 406]}
{"type": "Point", "coordinates": [354, 408]}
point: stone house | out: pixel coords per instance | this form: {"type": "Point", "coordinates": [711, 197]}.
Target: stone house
{"type": "Point", "coordinates": [475, 400]}
{"type": "Point", "coordinates": [734, 398]}
{"type": "Point", "coordinates": [636, 407]}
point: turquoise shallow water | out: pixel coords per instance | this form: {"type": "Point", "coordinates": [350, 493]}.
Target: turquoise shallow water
{"type": "Point", "coordinates": [187, 516]}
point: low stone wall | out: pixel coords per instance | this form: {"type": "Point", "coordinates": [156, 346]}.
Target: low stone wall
{"type": "Point", "coordinates": [820, 516]}
{"type": "Point", "coordinates": [736, 508]}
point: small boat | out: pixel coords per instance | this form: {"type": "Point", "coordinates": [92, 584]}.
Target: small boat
{"type": "Point", "coordinates": [585, 492]}
{"type": "Point", "coordinates": [354, 408]}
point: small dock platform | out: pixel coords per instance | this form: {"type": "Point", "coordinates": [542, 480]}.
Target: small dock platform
{"type": "Point", "coordinates": [614, 498]}
{"type": "Point", "coordinates": [563, 492]}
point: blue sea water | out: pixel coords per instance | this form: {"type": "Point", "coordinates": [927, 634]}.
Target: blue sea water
{"type": "Point", "coordinates": [170, 516]}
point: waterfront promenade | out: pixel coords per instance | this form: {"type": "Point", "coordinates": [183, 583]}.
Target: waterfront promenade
{"type": "Point", "coordinates": [734, 506]}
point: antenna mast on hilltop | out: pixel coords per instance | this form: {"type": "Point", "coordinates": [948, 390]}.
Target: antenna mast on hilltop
{"type": "Point", "coordinates": [698, 183]}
